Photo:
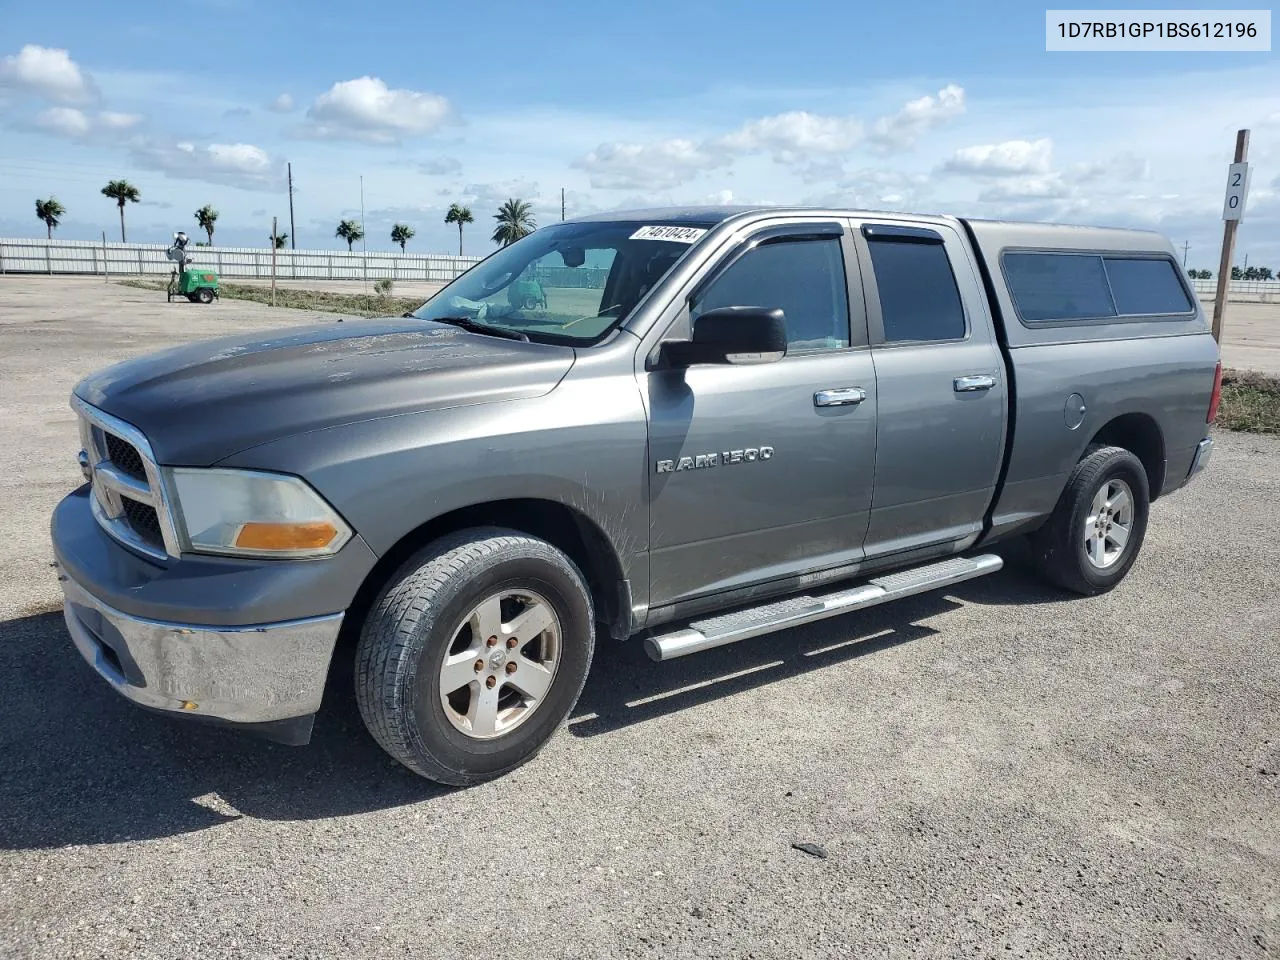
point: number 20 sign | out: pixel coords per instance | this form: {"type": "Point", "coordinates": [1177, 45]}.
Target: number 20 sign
{"type": "Point", "coordinates": [1237, 191]}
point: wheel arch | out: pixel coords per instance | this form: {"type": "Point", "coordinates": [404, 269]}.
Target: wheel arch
{"type": "Point", "coordinates": [564, 527]}
{"type": "Point", "coordinates": [1140, 434]}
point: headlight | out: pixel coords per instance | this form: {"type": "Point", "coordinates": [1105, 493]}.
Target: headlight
{"type": "Point", "coordinates": [252, 514]}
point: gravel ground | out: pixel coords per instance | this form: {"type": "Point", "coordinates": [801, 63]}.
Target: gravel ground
{"type": "Point", "coordinates": [992, 771]}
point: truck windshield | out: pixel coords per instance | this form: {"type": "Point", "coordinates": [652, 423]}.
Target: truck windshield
{"type": "Point", "coordinates": [568, 283]}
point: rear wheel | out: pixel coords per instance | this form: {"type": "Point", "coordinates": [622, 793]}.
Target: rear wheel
{"type": "Point", "coordinates": [1096, 530]}
{"type": "Point", "coordinates": [474, 655]}
{"type": "Point", "coordinates": [204, 295]}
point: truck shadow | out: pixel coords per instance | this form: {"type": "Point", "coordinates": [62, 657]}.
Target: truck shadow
{"type": "Point", "coordinates": [625, 687]}
{"type": "Point", "coordinates": [82, 766]}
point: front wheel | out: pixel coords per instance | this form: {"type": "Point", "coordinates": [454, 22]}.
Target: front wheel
{"type": "Point", "coordinates": [204, 295]}
{"type": "Point", "coordinates": [474, 654]}
{"type": "Point", "coordinates": [1095, 532]}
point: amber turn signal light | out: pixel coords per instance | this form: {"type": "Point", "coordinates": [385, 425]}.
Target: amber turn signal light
{"type": "Point", "coordinates": [286, 536]}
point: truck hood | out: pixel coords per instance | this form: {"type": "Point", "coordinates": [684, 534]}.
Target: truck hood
{"type": "Point", "coordinates": [200, 403]}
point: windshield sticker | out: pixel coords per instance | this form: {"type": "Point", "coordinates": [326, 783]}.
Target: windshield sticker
{"type": "Point", "coordinates": [673, 234]}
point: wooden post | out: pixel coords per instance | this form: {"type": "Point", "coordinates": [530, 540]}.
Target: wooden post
{"type": "Point", "coordinates": [105, 271]}
{"type": "Point", "coordinates": [1228, 245]}
{"type": "Point", "coordinates": [273, 261]}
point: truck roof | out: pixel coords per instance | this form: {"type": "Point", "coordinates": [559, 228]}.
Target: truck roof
{"type": "Point", "coordinates": [1025, 231]}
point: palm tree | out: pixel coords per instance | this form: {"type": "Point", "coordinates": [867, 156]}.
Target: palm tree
{"type": "Point", "coordinates": [280, 240]}
{"type": "Point", "coordinates": [349, 231]}
{"type": "Point", "coordinates": [121, 191]}
{"type": "Point", "coordinates": [515, 220]}
{"type": "Point", "coordinates": [401, 233]}
{"type": "Point", "coordinates": [50, 211]}
{"type": "Point", "coordinates": [206, 216]}
{"type": "Point", "coordinates": [459, 215]}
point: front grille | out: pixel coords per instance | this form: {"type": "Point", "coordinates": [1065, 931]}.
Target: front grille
{"type": "Point", "coordinates": [126, 503]}
{"type": "Point", "coordinates": [145, 522]}
{"type": "Point", "coordinates": [125, 457]}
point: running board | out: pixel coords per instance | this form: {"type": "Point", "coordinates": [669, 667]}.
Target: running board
{"type": "Point", "coordinates": [791, 612]}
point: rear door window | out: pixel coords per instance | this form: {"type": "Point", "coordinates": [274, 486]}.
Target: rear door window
{"type": "Point", "coordinates": [919, 299]}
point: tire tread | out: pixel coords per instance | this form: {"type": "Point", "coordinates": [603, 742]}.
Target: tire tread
{"type": "Point", "coordinates": [1054, 546]}
{"type": "Point", "coordinates": [387, 649]}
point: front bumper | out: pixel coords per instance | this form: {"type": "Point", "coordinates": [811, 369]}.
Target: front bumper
{"type": "Point", "coordinates": [242, 675]}
{"type": "Point", "coordinates": [243, 642]}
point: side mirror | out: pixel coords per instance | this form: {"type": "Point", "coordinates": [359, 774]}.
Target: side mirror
{"type": "Point", "coordinates": [736, 335]}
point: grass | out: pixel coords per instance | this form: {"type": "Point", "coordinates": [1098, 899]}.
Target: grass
{"type": "Point", "coordinates": [1250, 402]}
{"type": "Point", "coordinates": [352, 304]}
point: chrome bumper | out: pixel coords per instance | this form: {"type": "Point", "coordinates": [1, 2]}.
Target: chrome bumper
{"type": "Point", "coordinates": [256, 674]}
{"type": "Point", "coordinates": [1204, 451]}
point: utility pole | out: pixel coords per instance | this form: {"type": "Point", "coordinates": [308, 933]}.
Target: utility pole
{"type": "Point", "coordinates": [293, 231]}
{"type": "Point", "coordinates": [1232, 211]}
{"type": "Point", "coordinates": [1186, 245]}
{"type": "Point", "coordinates": [562, 204]}
{"type": "Point", "coordinates": [364, 246]}
{"type": "Point", "coordinates": [273, 261]}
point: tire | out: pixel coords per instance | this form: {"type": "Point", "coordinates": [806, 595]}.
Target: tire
{"type": "Point", "coordinates": [413, 639]}
{"type": "Point", "coordinates": [1079, 549]}
{"type": "Point", "coordinates": [204, 295]}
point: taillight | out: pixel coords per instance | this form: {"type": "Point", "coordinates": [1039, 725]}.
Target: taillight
{"type": "Point", "coordinates": [1216, 396]}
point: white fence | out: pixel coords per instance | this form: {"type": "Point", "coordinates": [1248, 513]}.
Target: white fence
{"type": "Point", "coordinates": [1265, 290]}
{"type": "Point", "coordinates": [90, 257]}
{"type": "Point", "coordinates": [123, 259]}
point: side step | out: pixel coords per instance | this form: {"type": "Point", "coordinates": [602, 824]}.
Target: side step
{"type": "Point", "coordinates": [791, 612]}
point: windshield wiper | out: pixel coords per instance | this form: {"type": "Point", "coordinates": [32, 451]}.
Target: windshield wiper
{"type": "Point", "coordinates": [478, 326]}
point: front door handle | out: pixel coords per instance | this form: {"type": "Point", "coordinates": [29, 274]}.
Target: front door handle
{"type": "Point", "coordinates": [969, 384]}
{"type": "Point", "coordinates": [839, 397]}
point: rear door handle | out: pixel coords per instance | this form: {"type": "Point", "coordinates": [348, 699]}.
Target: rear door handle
{"type": "Point", "coordinates": [969, 384]}
{"type": "Point", "coordinates": [839, 397]}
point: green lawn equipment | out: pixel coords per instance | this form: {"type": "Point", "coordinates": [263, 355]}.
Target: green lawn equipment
{"type": "Point", "coordinates": [197, 284]}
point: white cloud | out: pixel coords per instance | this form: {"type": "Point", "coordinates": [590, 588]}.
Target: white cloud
{"type": "Point", "coordinates": [47, 72]}
{"type": "Point", "coordinates": [1049, 186]}
{"type": "Point", "coordinates": [441, 166]}
{"type": "Point", "coordinates": [64, 121]}
{"type": "Point", "coordinates": [796, 132]}
{"type": "Point", "coordinates": [1003, 159]}
{"type": "Point", "coordinates": [649, 166]}
{"type": "Point", "coordinates": [1122, 168]}
{"type": "Point", "coordinates": [918, 117]}
{"type": "Point", "coordinates": [111, 120]}
{"type": "Point", "coordinates": [366, 109]}
{"type": "Point", "coordinates": [281, 104]}
{"type": "Point", "coordinates": [874, 188]}
{"type": "Point", "coordinates": [104, 127]}
{"type": "Point", "coordinates": [814, 144]}
{"type": "Point", "coordinates": [234, 165]}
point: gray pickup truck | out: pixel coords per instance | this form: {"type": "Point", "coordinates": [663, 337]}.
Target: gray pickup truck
{"type": "Point", "coordinates": [691, 426]}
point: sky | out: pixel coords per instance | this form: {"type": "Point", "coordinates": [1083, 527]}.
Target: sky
{"type": "Point", "coordinates": [932, 108]}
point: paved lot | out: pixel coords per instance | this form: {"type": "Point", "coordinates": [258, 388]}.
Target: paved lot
{"type": "Point", "coordinates": [1251, 338]}
{"type": "Point", "coordinates": [995, 771]}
